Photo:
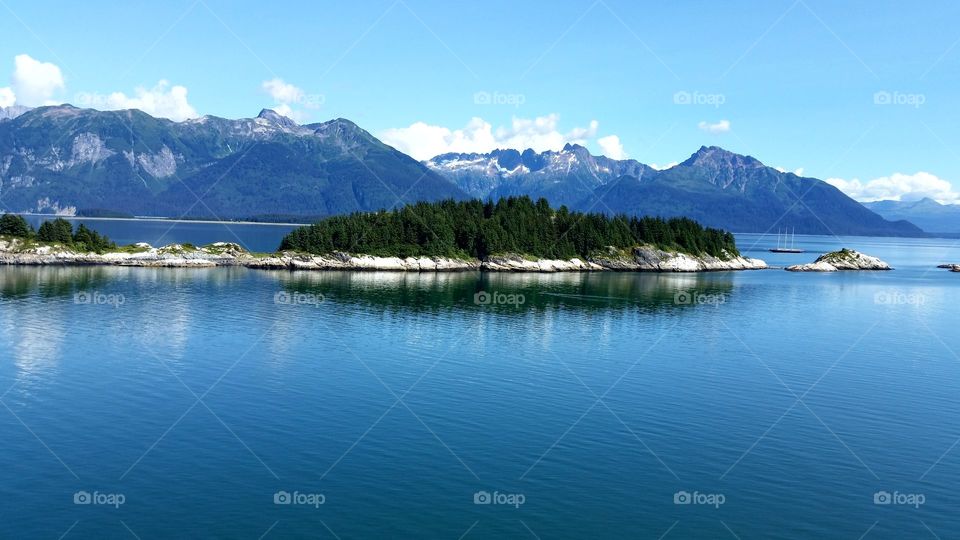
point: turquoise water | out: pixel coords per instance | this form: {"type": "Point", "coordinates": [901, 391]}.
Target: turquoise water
{"type": "Point", "coordinates": [583, 404]}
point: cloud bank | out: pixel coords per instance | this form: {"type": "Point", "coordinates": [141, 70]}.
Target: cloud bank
{"type": "Point", "coordinates": [33, 83]}
{"type": "Point", "coordinates": [612, 147]}
{"type": "Point", "coordinates": [163, 101]}
{"type": "Point", "coordinates": [898, 187]}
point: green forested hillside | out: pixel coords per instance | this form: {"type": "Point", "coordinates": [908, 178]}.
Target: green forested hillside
{"type": "Point", "coordinates": [511, 225]}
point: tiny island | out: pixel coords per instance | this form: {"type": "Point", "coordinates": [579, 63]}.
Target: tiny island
{"type": "Point", "coordinates": [515, 234]}
{"type": "Point", "coordinates": [842, 260]}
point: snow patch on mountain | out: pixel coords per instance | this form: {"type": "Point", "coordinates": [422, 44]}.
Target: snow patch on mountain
{"type": "Point", "coordinates": [507, 171]}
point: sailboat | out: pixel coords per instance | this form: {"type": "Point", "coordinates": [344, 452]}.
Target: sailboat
{"type": "Point", "coordinates": [782, 242]}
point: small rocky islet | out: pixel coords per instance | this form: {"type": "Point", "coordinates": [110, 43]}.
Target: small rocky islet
{"type": "Point", "coordinates": [842, 260]}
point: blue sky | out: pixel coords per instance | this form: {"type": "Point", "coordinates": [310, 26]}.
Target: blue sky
{"type": "Point", "coordinates": [860, 91]}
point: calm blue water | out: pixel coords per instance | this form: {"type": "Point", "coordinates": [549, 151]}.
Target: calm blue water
{"type": "Point", "coordinates": [260, 237]}
{"type": "Point", "coordinates": [785, 400]}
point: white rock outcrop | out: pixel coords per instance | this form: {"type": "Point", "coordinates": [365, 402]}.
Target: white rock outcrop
{"type": "Point", "coordinates": [345, 261]}
{"type": "Point", "coordinates": [651, 259]}
{"type": "Point", "coordinates": [516, 263]}
{"type": "Point", "coordinates": [845, 259]}
{"type": "Point", "coordinates": [641, 259]}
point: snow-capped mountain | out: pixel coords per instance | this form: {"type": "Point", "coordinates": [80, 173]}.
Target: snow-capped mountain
{"type": "Point", "coordinates": [717, 187]}
{"type": "Point", "coordinates": [563, 177]}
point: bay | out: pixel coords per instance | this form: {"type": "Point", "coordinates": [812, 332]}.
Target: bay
{"type": "Point", "coordinates": [584, 405]}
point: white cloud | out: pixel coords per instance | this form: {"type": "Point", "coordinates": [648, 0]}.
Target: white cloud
{"type": "Point", "coordinates": [282, 92]}
{"type": "Point", "coordinates": [33, 83]}
{"type": "Point", "coordinates": [162, 100]}
{"type": "Point", "coordinates": [612, 147]}
{"type": "Point", "coordinates": [798, 171]}
{"type": "Point", "coordinates": [899, 187]}
{"type": "Point", "coordinates": [722, 126]}
{"type": "Point", "coordinates": [424, 141]}
{"type": "Point", "coordinates": [7, 97]}
{"type": "Point", "coordinates": [286, 96]}
{"type": "Point", "coordinates": [664, 167]}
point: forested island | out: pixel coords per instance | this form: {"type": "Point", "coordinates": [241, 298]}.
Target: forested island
{"type": "Point", "coordinates": [477, 229]}
{"type": "Point", "coordinates": [512, 234]}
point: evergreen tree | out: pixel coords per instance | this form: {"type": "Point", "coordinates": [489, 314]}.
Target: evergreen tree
{"type": "Point", "coordinates": [510, 225]}
{"type": "Point", "coordinates": [58, 230]}
{"type": "Point", "coordinates": [88, 240]}
{"type": "Point", "coordinates": [14, 225]}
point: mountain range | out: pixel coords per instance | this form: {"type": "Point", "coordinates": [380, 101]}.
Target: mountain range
{"type": "Point", "coordinates": [714, 186]}
{"type": "Point", "coordinates": [62, 159]}
{"type": "Point", "coordinates": [926, 213]}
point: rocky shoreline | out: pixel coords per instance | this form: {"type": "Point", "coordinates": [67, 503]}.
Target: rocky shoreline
{"type": "Point", "coordinates": [639, 259]}
{"type": "Point", "coordinates": [843, 260]}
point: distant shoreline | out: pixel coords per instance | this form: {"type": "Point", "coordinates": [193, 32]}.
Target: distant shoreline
{"type": "Point", "coordinates": [947, 236]}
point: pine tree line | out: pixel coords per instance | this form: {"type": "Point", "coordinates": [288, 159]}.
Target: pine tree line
{"type": "Point", "coordinates": [511, 225]}
{"type": "Point", "coordinates": [56, 231]}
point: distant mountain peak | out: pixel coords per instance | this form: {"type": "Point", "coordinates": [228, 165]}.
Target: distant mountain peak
{"type": "Point", "coordinates": [347, 134]}
{"type": "Point", "coordinates": [268, 114]}
{"type": "Point", "coordinates": [339, 126]}
{"type": "Point", "coordinates": [276, 118]}
{"type": "Point", "coordinates": [714, 155]}
{"type": "Point", "coordinates": [341, 123]}
{"type": "Point", "coordinates": [564, 176]}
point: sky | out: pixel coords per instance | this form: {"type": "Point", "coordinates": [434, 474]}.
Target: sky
{"type": "Point", "coordinates": [863, 94]}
